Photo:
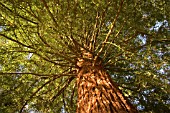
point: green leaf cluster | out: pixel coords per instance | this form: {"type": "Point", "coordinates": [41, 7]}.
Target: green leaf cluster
{"type": "Point", "coordinates": [41, 41]}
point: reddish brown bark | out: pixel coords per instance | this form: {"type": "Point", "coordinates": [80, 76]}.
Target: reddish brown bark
{"type": "Point", "coordinates": [97, 93]}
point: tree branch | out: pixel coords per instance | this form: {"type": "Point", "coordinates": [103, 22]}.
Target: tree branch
{"type": "Point", "coordinates": [110, 31]}
{"type": "Point", "coordinates": [63, 88]}
{"type": "Point", "coordinates": [31, 97]}
{"type": "Point", "coordinates": [25, 18]}
{"type": "Point", "coordinates": [20, 43]}
{"type": "Point", "coordinates": [38, 74]}
{"type": "Point", "coordinates": [51, 15]}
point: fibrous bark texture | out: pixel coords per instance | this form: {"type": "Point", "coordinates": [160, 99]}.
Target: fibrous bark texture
{"type": "Point", "coordinates": [97, 93]}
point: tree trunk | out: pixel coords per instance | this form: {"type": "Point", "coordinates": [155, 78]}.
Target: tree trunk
{"type": "Point", "coordinates": [97, 93]}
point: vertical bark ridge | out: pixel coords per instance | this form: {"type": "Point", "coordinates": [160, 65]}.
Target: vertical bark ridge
{"type": "Point", "coordinates": [97, 93]}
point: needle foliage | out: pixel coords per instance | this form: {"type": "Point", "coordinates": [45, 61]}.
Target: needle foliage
{"type": "Point", "coordinates": [41, 41]}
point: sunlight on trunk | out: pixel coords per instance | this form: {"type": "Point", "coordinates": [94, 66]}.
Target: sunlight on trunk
{"type": "Point", "coordinates": [98, 94]}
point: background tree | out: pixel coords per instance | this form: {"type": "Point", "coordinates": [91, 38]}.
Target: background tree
{"type": "Point", "coordinates": [44, 45]}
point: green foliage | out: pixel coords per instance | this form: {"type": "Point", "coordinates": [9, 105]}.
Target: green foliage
{"type": "Point", "coordinates": [41, 40]}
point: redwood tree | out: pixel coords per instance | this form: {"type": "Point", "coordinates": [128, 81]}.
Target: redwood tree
{"type": "Point", "coordinates": [84, 56]}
